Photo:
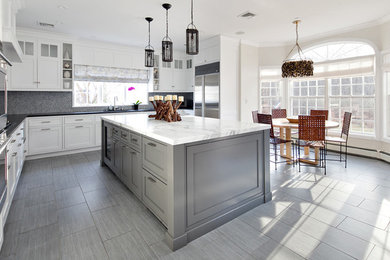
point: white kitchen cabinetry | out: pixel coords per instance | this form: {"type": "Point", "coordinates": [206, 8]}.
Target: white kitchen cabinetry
{"type": "Point", "coordinates": [176, 76]}
{"type": "Point", "coordinates": [44, 139]}
{"type": "Point", "coordinates": [40, 68]}
{"type": "Point", "coordinates": [49, 65]}
{"type": "Point", "coordinates": [83, 55]}
{"type": "Point", "coordinates": [79, 136]}
{"type": "Point", "coordinates": [207, 55]}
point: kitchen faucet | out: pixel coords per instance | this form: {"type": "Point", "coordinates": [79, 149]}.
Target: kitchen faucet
{"type": "Point", "coordinates": [115, 100]}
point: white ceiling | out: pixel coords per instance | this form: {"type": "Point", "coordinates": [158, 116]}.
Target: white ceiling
{"type": "Point", "coordinates": [122, 21]}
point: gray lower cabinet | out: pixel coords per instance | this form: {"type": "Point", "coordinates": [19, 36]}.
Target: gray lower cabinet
{"type": "Point", "coordinates": [131, 169]}
{"type": "Point", "coordinates": [117, 154]}
{"type": "Point", "coordinates": [155, 158]}
{"type": "Point", "coordinates": [155, 195]}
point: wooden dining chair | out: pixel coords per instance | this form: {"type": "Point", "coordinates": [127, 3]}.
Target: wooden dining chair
{"type": "Point", "coordinates": [311, 134]}
{"type": "Point", "coordinates": [342, 141]}
{"type": "Point", "coordinates": [279, 113]}
{"type": "Point", "coordinates": [319, 113]}
{"type": "Point", "coordinates": [254, 116]}
{"type": "Point", "coordinates": [274, 140]}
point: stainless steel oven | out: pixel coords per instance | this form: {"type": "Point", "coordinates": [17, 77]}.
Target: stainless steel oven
{"type": "Point", "coordinates": [4, 63]}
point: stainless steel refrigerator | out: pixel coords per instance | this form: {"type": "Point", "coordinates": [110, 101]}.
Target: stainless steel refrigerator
{"type": "Point", "coordinates": [206, 96]}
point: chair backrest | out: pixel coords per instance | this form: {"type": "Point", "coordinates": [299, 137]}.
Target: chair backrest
{"type": "Point", "coordinates": [254, 116]}
{"type": "Point", "coordinates": [346, 123]}
{"type": "Point", "coordinates": [266, 119]}
{"type": "Point", "coordinates": [319, 113]}
{"type": "Point", "coordinates": [279, 113]}
{"type": "Point", "coordinates": [311, 128]}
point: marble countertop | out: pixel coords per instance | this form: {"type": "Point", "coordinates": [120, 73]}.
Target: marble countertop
{"type": "Point", "coordinates": [190, 129]}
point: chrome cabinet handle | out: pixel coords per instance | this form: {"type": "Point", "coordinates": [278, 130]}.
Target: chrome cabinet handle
{"type": "Point", "coordinates": [14, 154]}
{"type": "Point", "coordinates": [19, 145]}
{"type": "Point", "coordinates": [18, 134]}
{"type": "Point", "coordinates": [45, 122]}
{"type": "Point", "coordinates": [9, 167]}
{"type": "Point", "coordinates": [45, 129]}
{"type": "Point", "coordinates": [124, 135]}
{"type": "Point", "coordinates": [152, 144]}
{"type": "Point", "coordinates": [25, 151]}
{"type": "Point", "coordinates": [80, 119]}
{"type": "Point", "coordinates": [13, 141]}
{"type": "Point", "coordinates": [24, 139]}
{"type": "Point", "coordinates": [151, 179]}
{"type": "Point", "coordinates": [79, 126]}
{"type": "Point", "coordinates": [134, 140]}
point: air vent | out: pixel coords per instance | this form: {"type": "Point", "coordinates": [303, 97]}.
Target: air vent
{"type": "Point", "coordinates": [247, 15]}
{"type": "Point", "coordinates": [47, 25]}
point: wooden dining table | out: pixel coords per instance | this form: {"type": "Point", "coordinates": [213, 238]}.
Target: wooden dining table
{"type": "Point", "coordinates": [285, 133]}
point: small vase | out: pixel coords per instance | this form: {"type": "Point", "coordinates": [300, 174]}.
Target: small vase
{"type": "Point", "coordinates": [136, 107]}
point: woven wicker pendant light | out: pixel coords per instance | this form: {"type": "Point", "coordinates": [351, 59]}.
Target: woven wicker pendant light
{"type": "Point", "coordinates": [192, 35]}
{"type": "Point", "coordinates": [167, 45]}
{"type": "Point", "coordinates": [297, 68]}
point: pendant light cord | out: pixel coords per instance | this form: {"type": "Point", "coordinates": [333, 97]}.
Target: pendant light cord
{"type": "Point", "coordinates": [300, 52]}
{"type": "Point", "coordinates": [192, 12]}
{"type": "Point", "coordinates": [167, 22]}
{"type": "Point", "coordinates": [149, 34]}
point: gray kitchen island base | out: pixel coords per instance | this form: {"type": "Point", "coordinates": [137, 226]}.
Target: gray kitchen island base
{"type": "Point", "coordinates": [191, 186]}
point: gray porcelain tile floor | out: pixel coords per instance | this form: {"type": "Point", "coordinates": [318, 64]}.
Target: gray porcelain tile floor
{"type": "Point", "coordinates": [69, 207]}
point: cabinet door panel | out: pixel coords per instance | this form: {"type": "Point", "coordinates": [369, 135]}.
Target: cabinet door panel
{"type": "Point", "coordinates": [155, 195]}
{"type": "Point", "coordinates": [155, 158]}
{"type": "Point", "coordinates": [131, 169]}
{"type": "Point", "coordinates": [24, 75]}
{"type": "Point", "coordinates": [83, 55]}
{"type": "Point", "coordinates": [117, 162]}
{"type": "Point", "coordinates": [79, 136]}
{"type": "Point", "coordinates": [49, 73]}
{"type": "Point", "coordinates": [44, 140]}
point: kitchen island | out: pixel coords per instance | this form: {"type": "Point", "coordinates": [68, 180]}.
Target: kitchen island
{"type": "Point", "coordinates": [194, 175]}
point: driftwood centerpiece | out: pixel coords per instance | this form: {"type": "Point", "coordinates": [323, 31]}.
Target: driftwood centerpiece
{"type": "Point", "coordinates": [166, 110]}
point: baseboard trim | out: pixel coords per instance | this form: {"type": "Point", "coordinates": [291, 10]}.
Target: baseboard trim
{"type": "Point", "coordinates": [53, 154]}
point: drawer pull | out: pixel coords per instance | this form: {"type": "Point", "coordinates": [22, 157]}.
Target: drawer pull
{"type": "Point", "coordinates": [45, 122]}
{"type": "Point", "coordinates": [151, 179]}
{"type": "Point", "coordinates": [9, 167]}
{"type": "Point", "coordinates": [25, 151]}
{"type": "Point", "coordinates": [45, 129]}
{"type": "Point", "coordinates": [124, 136]}
{"type": "Point", "coordinates": [134, 140]}
{"type": "Point", "coordinates": [13, 141]}
{"type": "Point", "coordinates": [79, 126]}
{"type": "Point", "coordinates": [18, 134]}
{"type": "Point", "coordinates": [152, 144]}
{"type": "Point", "coordinates": [80, 119]}
{"type": "Point", "coordinates": [14, 154]}
{"type": "Point", "coordinates": [7, 150]}
{"type": "Point", "coordinates": [24, 139]}
{"type": "Point", "coordinates": [19, 145]}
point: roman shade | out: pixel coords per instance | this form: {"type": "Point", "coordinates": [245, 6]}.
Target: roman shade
{"type": "Point", "coordinates": [110, 74]}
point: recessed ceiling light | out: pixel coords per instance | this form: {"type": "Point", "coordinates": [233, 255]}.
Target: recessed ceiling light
{"type": "Point", "coordinates": [247, 15]}
{"type": "Point", "coordinates": [240, 33]}
{"type": "Point", "coordinates": [47, 25]}
{"type": "Point", "coordinates": [63, 7]}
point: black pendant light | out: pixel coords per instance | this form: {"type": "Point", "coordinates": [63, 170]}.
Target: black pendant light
{"type": "Point", "coordinates": [192, 35]}
{"type": "Point", "coordinates": [167, 45]}
{"type": "Point", "coordinates": [149, 51]}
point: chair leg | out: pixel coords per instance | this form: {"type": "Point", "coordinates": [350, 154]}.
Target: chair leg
{"type": "Point", "coordinates": [325, 160]}
{"type": "Point", "coordinates": [346, 154]}
{"type": "Point", "coordinates": [340, 152]}
{"type": "Point", "coordinates": [299, 156]}
{"type": "Point", "coordinates": [276, 151]}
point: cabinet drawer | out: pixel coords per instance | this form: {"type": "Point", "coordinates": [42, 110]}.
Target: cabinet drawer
{"type": "Point", "coordinates": [116, 131]}
{"type": "Point", "coordinates": [125, 136]}
{"type": "Point", "coordinates": [79, 136]}
{"type": "Point", "coordinates": [155, 195]}
{"type": "Point", "coordinates": [42, 121]}
{"type": "Point", "coordinates": [154, 157]}
{"type": "Point", "coordinates": [45, 139]}
{"type": "Point", "coordinates": [78, 119]}
{"type": "Point", "coordinates": [135, 141]}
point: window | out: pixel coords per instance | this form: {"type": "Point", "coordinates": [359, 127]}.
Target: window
{"type": "Point", "coordinates": [270, 95]}
{"type": "Point", "coordinates": [92, 94]}
{"type": "Point", "coordinates": [99, 86]}
{"type": "Point", "coordinates": [344, 80]}
{"type": "Point", "coordinates": [357, 95]}
{"type": "Point", "coordinates": [307, 95]}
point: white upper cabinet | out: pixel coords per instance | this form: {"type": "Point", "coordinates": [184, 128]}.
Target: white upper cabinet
{"type": "Point", "coordinates": [40, 68]}
{"type": "Point", "coordinates": [83, 55]}
{"type": "Point", "coordinates": [49, 65]}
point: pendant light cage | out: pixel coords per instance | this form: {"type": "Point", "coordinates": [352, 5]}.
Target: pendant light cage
{"type": "Point", "coordinates": [149, 50]}
{"type": "Point", "coordinates": [192, 35]}
{"type": "Point", "coordinates": [167, 45]}
{"type": "Point", "coordinates": [302, 67]}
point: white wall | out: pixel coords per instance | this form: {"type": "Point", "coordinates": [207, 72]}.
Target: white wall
{"type": "Point", "coordinates": [230, 78]}
{"type": "Point", "coordinates": [249, 81]}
